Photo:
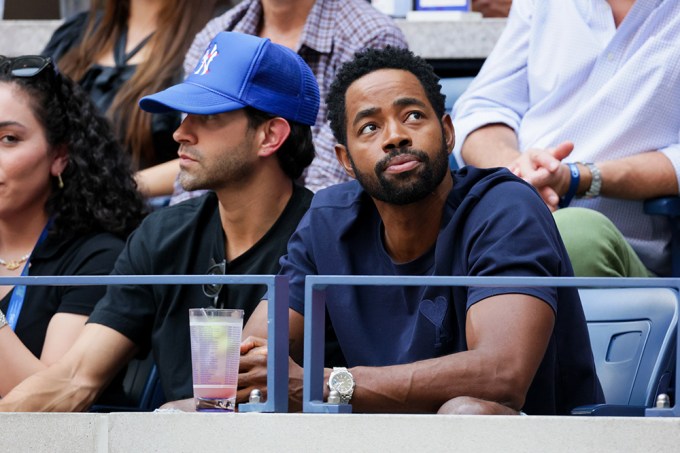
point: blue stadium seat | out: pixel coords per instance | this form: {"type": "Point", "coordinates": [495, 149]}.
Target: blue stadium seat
{"type": "Point", "coordinates": [633, 336]}
{"type": "Point", "coordinates": [669, 207]}
{"type": "Point", "coordinates": [141, 386]}
{"type": "Point", "coordinates": [452, 88]}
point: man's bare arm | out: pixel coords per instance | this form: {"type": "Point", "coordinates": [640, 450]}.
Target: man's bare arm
{"type": "Point", "coordinates": [638, 177]}
{"type": "Point", "coordinates": [507, 338]}
{"type": "Point", "coordinates": [19, 363]}
{"type": "Point", "coordinates": [73, 382]}
{"type": "Point", "coordinates": [493, 145]}
{"type": "Point", "coordinates": [158, 180]}
{"type": "Point", "coordinates": [257, 328]}
{"type": "Point", "coordinates": [492, 8]}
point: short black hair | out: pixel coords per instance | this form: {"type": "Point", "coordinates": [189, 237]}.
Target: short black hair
{"type": "Point", "coordinates": [297, 152]}
{"type": "Point", "coordinates": [371, 60]}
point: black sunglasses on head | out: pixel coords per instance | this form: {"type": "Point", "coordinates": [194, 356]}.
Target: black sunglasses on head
{"type": "Point", "coordinates": [25, 66]}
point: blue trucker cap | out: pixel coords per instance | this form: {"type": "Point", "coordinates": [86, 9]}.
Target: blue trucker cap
{"type": "Point", "coordinates": [239, 70]}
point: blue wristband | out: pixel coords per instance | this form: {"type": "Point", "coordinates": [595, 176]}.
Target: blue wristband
{"type": "Point", "coordinates": [573, 186]}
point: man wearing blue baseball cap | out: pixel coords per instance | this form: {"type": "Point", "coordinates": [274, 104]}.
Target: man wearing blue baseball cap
{"type": "Point", "coordinates": [246, 137]}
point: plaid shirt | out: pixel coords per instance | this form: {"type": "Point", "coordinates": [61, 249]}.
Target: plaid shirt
{"type": "Point", "coordinates": [335, 30]}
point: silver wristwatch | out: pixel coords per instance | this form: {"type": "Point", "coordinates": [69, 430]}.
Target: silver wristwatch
{"type": "Point", "coordinates": [342, 381]}
{"type": "Point", "coordinates": [595, 183]}
{"type": "Point", "coordinates": [3, 320]}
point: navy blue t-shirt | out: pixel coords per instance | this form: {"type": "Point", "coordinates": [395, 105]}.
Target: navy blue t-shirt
{"type": "Point", "coordinates": [493, 225]}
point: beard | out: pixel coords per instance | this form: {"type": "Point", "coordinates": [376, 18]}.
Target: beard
{"type": "Point", "coordinates": [231, 167]}
{"type": "Point", "coordinates": [407, 187]}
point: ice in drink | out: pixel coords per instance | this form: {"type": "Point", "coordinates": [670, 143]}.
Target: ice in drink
{"type": "Point", "coordinates": [215, 344]}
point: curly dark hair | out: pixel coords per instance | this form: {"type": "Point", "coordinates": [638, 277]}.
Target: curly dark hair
{"type": "Point", "coordinates": [371, 60]}
{"type": "Point", "coordinates": [297, 152]}
{"type": "Point", "coordinates": [99, 193]}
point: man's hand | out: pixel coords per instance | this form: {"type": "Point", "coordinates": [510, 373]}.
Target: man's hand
{"type": "Point", "coordinates": [543, 169]}
{"type": "Point", "coordinates": [492, 8]}
{"type": "Point", "coordinates": [187, 405]}
{"type": "Point", "coordinates": [253, 373]}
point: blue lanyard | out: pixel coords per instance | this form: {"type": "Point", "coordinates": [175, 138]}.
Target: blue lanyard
{"type": "Point", "coordinates": [16, 303]}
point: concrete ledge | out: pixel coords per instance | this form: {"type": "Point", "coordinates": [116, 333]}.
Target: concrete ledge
{"type": "Point", "coordinates": [473, 39]}
{"type": "Point", "coordinates": [176, 432]}
{"type": "Point", "coordinates": [35, 433]}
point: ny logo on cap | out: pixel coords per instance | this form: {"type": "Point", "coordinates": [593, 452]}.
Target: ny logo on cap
{"type": "Point", "coordinates": [208, 57]}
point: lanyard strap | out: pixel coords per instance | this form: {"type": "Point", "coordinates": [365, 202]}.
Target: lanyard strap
{"type": "Point", "coordinates": [16, 302]}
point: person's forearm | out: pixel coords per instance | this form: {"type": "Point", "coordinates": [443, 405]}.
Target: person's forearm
{"type": "Point", "coordinates": [494, 145]}
{"type": "Point", "coordinates": [492, 8]}
{"type": "Point", "coordinates": [51, 390]}
{"type": "Point", "coordinates": [423, 387]}
{"type": "Point", "coordinates": [158, 180]}
{"type": "Point", "coordinates": [75, 381]}
{"type": "Point", "coordinates": [638, 177]}
{"type": "Point", "coordinates": [497, 367]}
{"type": "Point", "coordinates": [17, 361]}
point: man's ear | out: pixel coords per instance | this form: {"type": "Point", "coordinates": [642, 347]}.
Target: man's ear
{"type": "Point", "coordinates": [60, 161]}
{"type": "Point", "coordinates": [272, 133]}
{"type": "Point", "coordinates": [343, 157]}
{"type": "Point", "coordinates": [449, 132]}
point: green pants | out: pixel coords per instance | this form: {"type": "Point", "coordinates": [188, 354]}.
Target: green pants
{"type": "Point", "coordinates": [596, 247]}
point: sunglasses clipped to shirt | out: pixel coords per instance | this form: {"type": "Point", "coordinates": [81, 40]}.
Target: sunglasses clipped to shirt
{"type": "Point", "coordinates": [25, 66]}
{"type": "Point", "coordinates": [213, 290]}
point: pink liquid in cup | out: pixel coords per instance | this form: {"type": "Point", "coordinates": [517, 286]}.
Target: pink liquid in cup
{"type": "Point", "coordinates": [215, 352]}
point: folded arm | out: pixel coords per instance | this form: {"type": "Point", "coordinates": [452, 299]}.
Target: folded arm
{"type": "Point", "coordinates": [19, 362]}
{"type": "Point", "coordinates": [74, 381]}
{"type": "Point", "coordinates": [507, 337]}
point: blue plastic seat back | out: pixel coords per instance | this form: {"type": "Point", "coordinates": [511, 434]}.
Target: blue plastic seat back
{"type": "Point", "coordinates": [452, 88]}
{"type": "Point", "coordinates": [152, 395]}
{"type": "Point", "coordinates": [141, 386]}
{"type": "Point", "coordinates": [632, 333]}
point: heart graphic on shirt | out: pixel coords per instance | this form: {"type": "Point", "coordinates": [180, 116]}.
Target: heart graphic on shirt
{"type": "Point", "coordinates": [434, 311]}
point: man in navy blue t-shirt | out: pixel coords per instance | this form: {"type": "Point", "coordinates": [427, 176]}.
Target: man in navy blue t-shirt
{"type": "Point", "coordinates": [430, 349]}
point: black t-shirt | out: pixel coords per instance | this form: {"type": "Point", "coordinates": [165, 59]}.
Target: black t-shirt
{"type": "Point", "coordinates": [90, 254]}
{"type": "Point", "coordinates": [179, 240]}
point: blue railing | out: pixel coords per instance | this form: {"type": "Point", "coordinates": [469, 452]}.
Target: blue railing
{"type": "Point", "coordinates": [315, 286]}
{"type": "Point", "coordinates": [277, 328]}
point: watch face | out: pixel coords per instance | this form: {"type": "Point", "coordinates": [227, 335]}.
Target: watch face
{"type": "Point", "coordinates": [342, 382]}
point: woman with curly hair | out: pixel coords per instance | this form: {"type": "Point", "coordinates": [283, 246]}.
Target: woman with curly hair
{"type": "Point", "coordinates": [67, 202]}
{"type": "Point", "coordinates": [122, 50]}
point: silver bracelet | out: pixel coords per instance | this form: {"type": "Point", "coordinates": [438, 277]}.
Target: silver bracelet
{"type": "Point", "coordinates": [3, 320]}
{"type": "Point", "coordinates": [595, 182]}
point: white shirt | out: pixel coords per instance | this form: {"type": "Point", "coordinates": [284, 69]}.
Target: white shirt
{"type": "Point", "coordinates": [561, 70]}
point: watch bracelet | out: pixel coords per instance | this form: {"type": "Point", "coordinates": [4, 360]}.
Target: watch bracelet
{"type": "Point", "coordinates": [595, 181]}
{"type": "Point", "coordinates": [344, 398]}
{"type": "Point", "coordinates": [3, 320]}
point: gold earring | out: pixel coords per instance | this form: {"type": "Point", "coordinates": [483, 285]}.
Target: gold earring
{"type": "Point", "coordinates": [60, 182]}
